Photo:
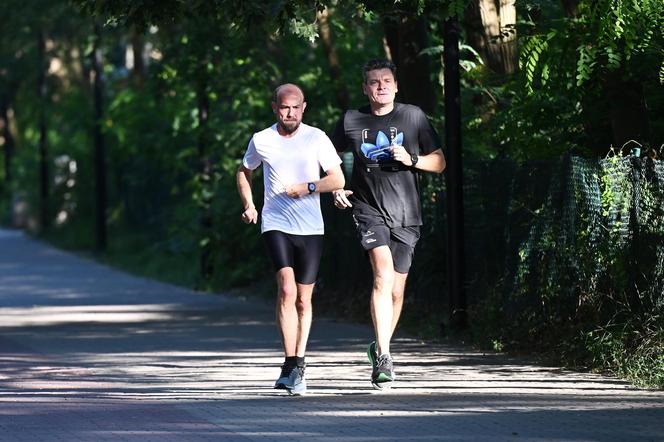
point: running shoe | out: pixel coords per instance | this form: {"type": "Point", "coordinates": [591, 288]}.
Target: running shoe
{"type": "Point", "coordinates": [372, 354]}
{"type": "Point", "coordinates": [297, 385]}
{"type": "Point", "coordinates": [383, 372]}
{"type": "Point", "coordinates": [284, 381]}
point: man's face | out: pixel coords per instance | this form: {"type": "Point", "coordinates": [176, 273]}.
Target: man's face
{"type": "Point", "coordinates": [380, 87]}
{"type": "Point", "coordinates": [289, 112]}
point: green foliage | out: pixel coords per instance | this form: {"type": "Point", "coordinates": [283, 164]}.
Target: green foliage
{"type": "Point", "coordinates": [605, 36]}
{"type": "Point", "coordinates": [586, 283]}
{"type": "Point", "coordinates": [633, 349]}
{"type": "Point", "coordinates": [530, 55]}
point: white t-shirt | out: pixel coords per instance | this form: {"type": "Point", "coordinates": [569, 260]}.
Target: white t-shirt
{"type": "Point", "coordinates": [286, 161]}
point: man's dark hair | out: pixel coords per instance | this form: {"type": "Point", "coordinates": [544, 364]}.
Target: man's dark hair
{"type": "Point", "coordinates": [378, 63]}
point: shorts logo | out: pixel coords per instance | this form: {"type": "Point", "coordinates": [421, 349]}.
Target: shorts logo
{"type": "Point", "coordinates": [370, 240]}
{"type": "Point", "coordinates": [368, 233]}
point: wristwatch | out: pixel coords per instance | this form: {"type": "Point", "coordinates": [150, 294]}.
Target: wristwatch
{"type": "Point", "coordinates": [311, 187]}
{"type": "Point", "coordinates": [414, 158]}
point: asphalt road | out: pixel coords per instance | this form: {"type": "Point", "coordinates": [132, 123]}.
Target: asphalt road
{"type": "Point", "coordinates": [88, 353]}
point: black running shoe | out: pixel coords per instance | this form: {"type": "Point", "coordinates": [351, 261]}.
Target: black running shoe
{"type": "Point", "coordinates": [383, 372]}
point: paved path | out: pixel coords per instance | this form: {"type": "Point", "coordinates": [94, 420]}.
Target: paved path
{"type": "Point", "coordinates": [88, 353]}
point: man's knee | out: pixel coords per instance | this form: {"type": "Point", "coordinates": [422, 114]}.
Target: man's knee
{"type": "Point", "coordinates": [383, 279]}
{"type": "Point", "coordinates": [304, 294]}
{"type": "Point", "coordinates": [399, 286]}
{"type": "Point", "coordinates": [303, 304]}
{"type": "Point", "coordinates": [286, 286]}
{"type": "Point", "coordinates": [383, 268]}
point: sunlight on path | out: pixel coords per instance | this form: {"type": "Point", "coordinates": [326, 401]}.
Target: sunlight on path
{"type": "Point", "coordinates": [89, 353]}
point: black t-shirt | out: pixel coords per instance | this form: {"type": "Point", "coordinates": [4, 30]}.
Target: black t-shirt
{"type": "Point", "coordinates": [381, 186]}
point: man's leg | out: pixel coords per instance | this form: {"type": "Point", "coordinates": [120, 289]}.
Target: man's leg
{"type": "Point", "coordinates": [381, 296]}
{"type": "Point", "coordinates": [402, 246]}
{"type": "Point", "coordinates": [308, 249]}
{"type": "Point", "coordinates": [397, 298]}
{"type": "Point", "coordinates": [304, 314]}
{"type": "Point", "coordinates": [287, 315]}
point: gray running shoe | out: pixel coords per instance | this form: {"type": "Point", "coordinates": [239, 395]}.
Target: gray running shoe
{"type": "Point", "coordinates": [297, 385]}
{"type": "Point", "coordinates": [283, 383]}
{"type": "Point", "coordinates": [383, 372]}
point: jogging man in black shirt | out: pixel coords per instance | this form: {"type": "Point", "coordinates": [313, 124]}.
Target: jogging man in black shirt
{"type": "Point", "coordinates": [391, 143]}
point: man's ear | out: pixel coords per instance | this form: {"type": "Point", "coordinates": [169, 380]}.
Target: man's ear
{"type": "Point", "coordinates": [364, 89]}
{"type": "Point", "coordinates": [304, 105]}
{"type": "Point", "coordinates": [274, 107]}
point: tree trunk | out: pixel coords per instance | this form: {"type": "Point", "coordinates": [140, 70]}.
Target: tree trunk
{"type": "Point", "coordinates": [100, 148]}
{"type": "Point", "coordinates": [205, 174]}
{"type": "Point", "coordinates": [138, 70]}
{"type": "Point", "coordinates": [8, 137]}
{"type": "Point", "coordinates": [491, 30]}
{"type": "Point", "coordinates": [340, 89]}
{"type": "Point", "coordinates": [455, 233]}
{"type": "Point", "coordinates": [406, 37]}
{"type": "Point", "coordinates": [570, 7]}
{"type": "Point", "coordinates": [44, 178]}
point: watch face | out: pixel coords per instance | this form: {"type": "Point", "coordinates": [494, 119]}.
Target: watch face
{"type": "Point", "coordinates": [311, 187]}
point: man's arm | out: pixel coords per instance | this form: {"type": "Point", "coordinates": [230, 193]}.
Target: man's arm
{"type": "Point", "coordinates": [333, 179]}
{"type": "Point", "coordinates": [243, 178]}
{"type": "Point", "coordinates": [431, 162]}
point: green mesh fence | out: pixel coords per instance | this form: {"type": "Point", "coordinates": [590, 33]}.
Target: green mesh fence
{"type": "Point", "coordinates": [554, 241]}
{"type": "Point", "coordinates": [594, 249]}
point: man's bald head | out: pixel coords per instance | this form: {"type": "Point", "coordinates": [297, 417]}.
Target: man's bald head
{"type": "Point", "coordinates": [288, 106]}
{"type": "Point", "coordinates": [287, 90]}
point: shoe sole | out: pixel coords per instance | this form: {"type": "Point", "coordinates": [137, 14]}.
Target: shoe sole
{"type": "Point", "coordinates": [381, 385]}
{"type": "Point", "coordinates": [299, 391]}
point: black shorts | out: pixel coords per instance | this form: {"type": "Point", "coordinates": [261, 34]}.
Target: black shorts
{"type": "Point", "coordinates": [373, 232]}
{"type": "Point", "coordinates": [300, 252]}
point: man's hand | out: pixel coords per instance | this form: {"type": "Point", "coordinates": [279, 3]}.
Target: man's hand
{"type": "Point", "coordinates": [250, 215]}
{"type": "Point", "coordinates": [400, 154]}
{"type": "Point", "coordinates": [297, 190]}
{"type": "Point", "coordinates": [341, 198]}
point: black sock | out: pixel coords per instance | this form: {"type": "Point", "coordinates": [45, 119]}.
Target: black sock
{"type": "Point", "coordinates": [300, 361]}
{"type": "Point", "coordinates": [291, 361]}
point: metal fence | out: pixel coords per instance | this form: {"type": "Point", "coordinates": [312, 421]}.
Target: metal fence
{"type": "Point", "coordinates": [551, 240]}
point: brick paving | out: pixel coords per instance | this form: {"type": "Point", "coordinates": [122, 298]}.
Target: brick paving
{"type": "Point", "coordinates": [88, 353]}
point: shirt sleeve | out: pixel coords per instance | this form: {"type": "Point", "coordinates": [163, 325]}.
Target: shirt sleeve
{"type": "Point", "coordinates": [338, 136]}
{"type": "Point", "coordinates": [251, 158]}
{"type": "Point", "coordinates": [327, 155]}
{"type": "Point", "coordinates": [428, 137]}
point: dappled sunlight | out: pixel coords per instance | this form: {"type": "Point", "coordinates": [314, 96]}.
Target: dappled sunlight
{"type": "Point", "coordinates": [53, 315]}
{"type": "Point", "coordinates": [88, 353]}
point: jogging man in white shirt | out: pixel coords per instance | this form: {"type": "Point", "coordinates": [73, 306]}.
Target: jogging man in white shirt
{"type": "Point", "coordinates": [292, 154]}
